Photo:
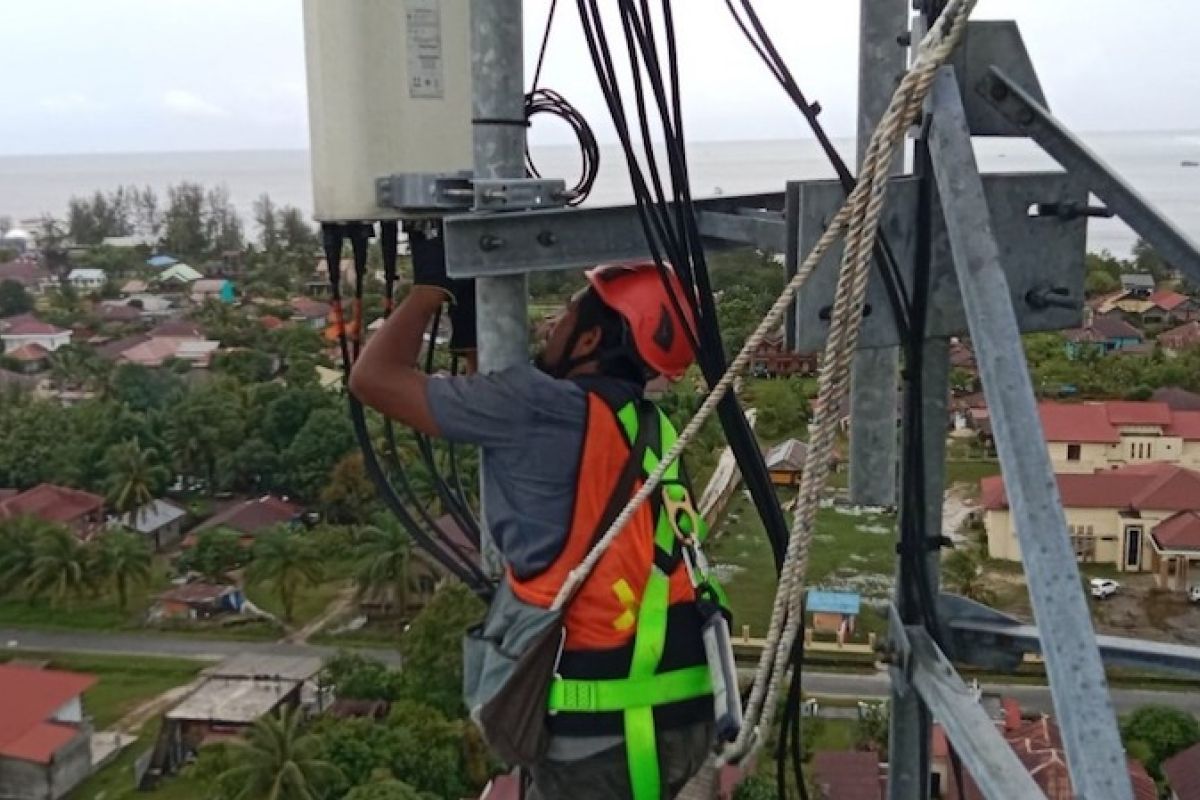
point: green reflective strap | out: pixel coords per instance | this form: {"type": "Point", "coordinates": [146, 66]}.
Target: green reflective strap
{"type": "Point", "coordinates": [641, 749]}
{"type": "Point", "coordinates": [641, 746]}
{"type": "Point", "coordinates": [620, 694]}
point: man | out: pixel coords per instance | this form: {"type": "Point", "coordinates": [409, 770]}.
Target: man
{"type": "Point", "coordinates": [556, 436]}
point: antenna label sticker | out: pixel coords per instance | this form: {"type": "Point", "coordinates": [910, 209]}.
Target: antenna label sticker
{"type": "Point", "coordinates": [425, 59]}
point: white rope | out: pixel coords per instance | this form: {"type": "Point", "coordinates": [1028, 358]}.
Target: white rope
{"type": "Point", "coordinates": [858, 218]}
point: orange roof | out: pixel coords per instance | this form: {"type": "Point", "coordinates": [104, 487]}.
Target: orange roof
{"type": "Point", "coordinates": [1077, 422]}
{"type": "Point", "coordinates": [1167, 300]}
{"type": "Point", "coordinates": [1183, 772]}
{"type": "Point", "coordinates": [29, 352]}
{"type": "Point", "coordinates": [1185, 424]}
{"type": "Point", "coordinates": [30, 698]}
{"type": "Point", "coordinates": [1156, 486]}
{"type": "Point", "coordinates": [28, 325]}
{"type": "Point", "coordinates": [1180, 531]}
{"type": "Point", "coordinates": [1128, 412]}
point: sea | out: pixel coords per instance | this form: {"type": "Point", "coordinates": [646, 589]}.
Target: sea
{"type": "Point", "coordinates": [35, 185]}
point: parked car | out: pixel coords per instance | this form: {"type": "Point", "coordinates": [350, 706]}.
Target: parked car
{"type": "Point", "coordinates": [1104, 587]}
{"type": "Point", "coordinates": [1194, 593]}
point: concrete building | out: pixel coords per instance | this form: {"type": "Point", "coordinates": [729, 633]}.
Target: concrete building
{"type": "Point", "coordinates": [159, 521]}
{"type": "Point", "coordinates": [26, 329]}
{"type": "Point", "coordinates": [85, 279]}
{"type": "Point", "coordinates": [1140, 518]}
{"type": "Point", "coordinates": [1086, 437]}
{"type": "Point", "coordinates": [45, 738]}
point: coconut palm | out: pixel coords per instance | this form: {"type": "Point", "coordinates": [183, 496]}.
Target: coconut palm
{"type": "Point", "coordinates": [61, 566]}
{"type": "Point", "coordinates": [122, 558]}
{"type": "Point", "coordinates": [287, 560]}
{"type": "Point", "coordinates": [383, 556]}
{"type": "Point", "coordinates": [962, 573]}
{"type": "Point", "coordinates": [17, 538]}
{"type": "Point", "coordinates": [277, 760]}
{"type": "Point", "coordinates": [135, 476]}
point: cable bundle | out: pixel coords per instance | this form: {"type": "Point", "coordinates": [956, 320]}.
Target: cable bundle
{"type": "Point", "coordinates": [548, 101]}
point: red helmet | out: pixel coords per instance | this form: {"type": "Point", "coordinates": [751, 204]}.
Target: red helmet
{"type": "Point", "coordinates": [636, 291]}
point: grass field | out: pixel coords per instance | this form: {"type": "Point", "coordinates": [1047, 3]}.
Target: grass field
{"type": "Point", "coordinates": [310, 600]}
{"type": "Point", "coordinates": [125, 682]}
{"type": "Point", "coordinates": [849, 551]}
{"type": "Point", "coordinates": [115, 781]}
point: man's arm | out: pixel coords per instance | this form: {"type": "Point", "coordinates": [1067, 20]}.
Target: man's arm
{"type": "Point", "coordinates": [387, 376]}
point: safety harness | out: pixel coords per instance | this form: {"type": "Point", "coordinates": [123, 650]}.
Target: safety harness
{"type": "Point", "coordinates": [678, 527]}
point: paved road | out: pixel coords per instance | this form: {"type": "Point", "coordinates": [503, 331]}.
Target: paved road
{"type": "Point", "coordinates": [160, 645]}
{"type": "Point", "coordinates": [1034, 698]}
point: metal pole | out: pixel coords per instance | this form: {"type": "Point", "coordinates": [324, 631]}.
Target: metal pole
{"type": "Point", "coordinates": [1077, 681]}
{"type": "Point", "coordinates": [875, 376]}
{"type": "Point", "coordinates": [498, 113]}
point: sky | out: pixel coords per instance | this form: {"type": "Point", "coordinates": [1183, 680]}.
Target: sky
{"type": "Point", "coordinates": [83, 76]}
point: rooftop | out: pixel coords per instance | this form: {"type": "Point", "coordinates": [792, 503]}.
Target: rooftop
{"type": "Point", "coordinates": [256, 665]}
{"type": "Point", "coordinates": [86, 274]}
{"type": "Point", "coordinates": [1177, 399]}
{"type": "Point", "coordinates": [30, 351]}
{"type": "Point", "coordinates": [787, 455]}
{"type": "Point", "coordinates": [847, 775]}
{"type": "Point", "coordinates": [28, 325]}
{"type": "Point", "coordinates": [1155, 486]}
{"type": "Point", "coordinates": [253, 516]}
{"type": "Point", "coordinates": [233, 700]}
{"type": "Point", "coordinates": [30, 699]}
{"type": "Point", "coordinates": [310, 309]}
{"type": "Point", "coordinates": [161, 261]}
{"type": "Point", "coordinates": [1167, 299]}
{"type": "Point", "coordinates": [1101, 422]}
{"type": "Point", "coordinates": [177, 328]}
{"type": "Point", "coordinates": [833, 602]}
{"type": "Point", "coordinates": [1182, 771]}
{"type": "Point", "coordinates": [51, 503]}
{"type": "Point", "coordinates": [152, 516]}
{"type": "Point", "coordinates": [1178, 532]}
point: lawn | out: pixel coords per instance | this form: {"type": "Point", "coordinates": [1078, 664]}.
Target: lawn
{"type": "Point", "coordinates": [115, 781]}
{"type": "Point", "coordinates": [310, 600]}
{"type": "Point", "coordinates": [125, 682]}
{"type": "Point", "coordinates": [849, 551]}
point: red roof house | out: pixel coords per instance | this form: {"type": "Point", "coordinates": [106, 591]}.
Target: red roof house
{"type": "Point", "coordinates": [1155, 486]}
{"type": "Point", "coordinates": [1177, 399]}
{"type": "Point", "coordinates": [1182, 771]}
{"type": "Point", "coordinates": [1167, 300]}
{"type": "Point", "coordinates": [1077, 422]}
{"type": "Point", "coordinates": [250, 518]}
{"type": "Point", "coordinates": [1181, 337]}
{"type": "Point", "coordinates": [28, 325]}
{"type": "Point", "coordinates": [45, 740]}
{"type": "Point", "coordinates": [847, 775]}
{"type": "Point", "coordinates": [81, 511]}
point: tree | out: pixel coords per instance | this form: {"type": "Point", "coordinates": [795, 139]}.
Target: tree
{"type": "Point", "coordinates": [122, 558]}
{"type": "Point", "coordinates": [216, 553]}
{"type": "Point", "coordinates": [325, 438]}
{"type": "Point", "coordinates": [962, 574]}
{"type": "Point", "coordinates": [18, 537]}
{"type": "Point", "coordinates": [361, 677]}
{"type": "Point", "coordinates": [1162, 731]}
{"type": "Point", "coordinates": [349, 496]}
{"type": "Point", "coordinates": [268, 226]}
{"type": "Point", "coordinates": [246, 366]}
{"type": "Point", "coordinates": [14, 299]}
{"type": "Point", "coordinates": [287, 560]}
{"type": "Point", "coordinates": [871, 729]}
{"type": "Point", "coordinates": [278, 760]}
{"type": "Point", "coordinates": [294, 229]}
{"type": "Point", "coordinates": [437, 754]}
{"type": "Point", "coordinates": [135, 476]}
{"type": "Point", "coordinates": [61, 567]}
{"type": "Point", "coordinates": [384, 556]}
{"type": "Point", "coordinates": [185, 229]}
{"type": "Point", "coordinates": [222, 225]}
{"type": "Point", "coordinates": [143, 388]}
{"type": "Point", "coordinates": [1147, 259]}
{"type": "Point", "coordinates": [387, 790]}
{"type": "Point", "coordinates": [432, 648]}
{"type": "Point", "coordinates": [1099, 282]}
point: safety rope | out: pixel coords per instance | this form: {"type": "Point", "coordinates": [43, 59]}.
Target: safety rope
{"type": "Point", "coordinates": [858, 219]}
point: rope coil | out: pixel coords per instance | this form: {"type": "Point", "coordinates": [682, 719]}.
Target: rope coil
{"type": "Point", "coordinates": [858, 219]}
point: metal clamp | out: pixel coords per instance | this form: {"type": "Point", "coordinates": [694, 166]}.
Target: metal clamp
{"type": "Point", "coordinates": [459, 191]}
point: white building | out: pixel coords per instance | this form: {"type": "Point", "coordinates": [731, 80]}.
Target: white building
{"type": "Point", "coordinates": [86, 279]}
{"type": "Point", "coordinates": [16, 332]}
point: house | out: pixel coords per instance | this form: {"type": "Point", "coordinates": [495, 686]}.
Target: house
{"type": "Point", "coordinates": [1107, 333]}
{"type": "Point", "coordinates": [178, 275]}
{"type": "Point", "coordinates": [26, 329]}
{"type": "Point", "coordinates": [833, 612]}
{"type": "Point", "coordinates": [45, 738]}
{"type": "Point", "coordinates": [131, 241]}
{"type": "Point", "coordinates": [159, 521]}
{"type": "Point", "coordinates": [134, 286]}
{"type": "Point", "coordinates": [848, 775]}
{"type": "Point", "coordinates": [82, 512]}
{"type": "Point", "coordinates": [424, 575]}
{"type": "Point", "coordinates": [1113, 517]}
{"type": "Point", "coordinates": [1170, 307]}
{"type": "Point", "coordinates": [118, 311]}
{"type": "Point", "coordinates": [177, 329]}
{"type": "Point", "coordinates": [312, 313]}
{"type": "Point", "coordinates": [773, 359]}
{"type": "Point", "coordinates": [1182, 337]}
{"type": "Point", "coordinates": [1038, 744]}
{"type": "Point", "coordinates": [1176, 399]}
{"type": "Point", "coordinates": [216, 289]}
{"type": "Point", "coordinates": [1085, 437]}
{"type": "Point", "coordinates": [27, 272]}
{"type": "Point", "coordinates": [250, 518]}
{"type": "Point", "coordinates": [161, 261]}
{"type": "Point", "coordinates": [200, 600]}
{"type": "Point", "coordinates": [30, 358]}
{"type": "Point", "coordinates": [1137, 283]}
{"type": "Point", "coordinates": [785, 462]}
{"type": "Point", "coordinates": [1182, 772]}
{"type": "Point", "coordinates": [85, 279]}
{"type": "Point", "coordinates": [17, 240]}
{"type": "Point", "coordinates": [231, 698]}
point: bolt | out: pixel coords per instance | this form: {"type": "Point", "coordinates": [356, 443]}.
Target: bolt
{"type": "Point", "coordinates": [999, 91]}
{"type": "Point", "coordinates": [489, 242]}
{"type": "Point", "coordinates": [547, 239]}
{"type": "Point", "coordinates": [1044, 297]}
{"type": "Point", "coordinates": [904, 39]}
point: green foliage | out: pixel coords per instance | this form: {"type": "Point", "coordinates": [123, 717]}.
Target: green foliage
{"type": "Point", "coordinates": [286, 559]}
{"type": "Point", "coordinates": [1099, 282]}
{"type": "Point", "coordinates": [143, 388]}
{"type": "Point", "coordinates": [756, 788]}
{"type": "Point", "coordinates": [135, 476]}
{"type": "Point", "coordinates": [278, 760]}
{"type": "Point", "coordinates": [215, 554]}
{"type": "Point", "coordinates": [384, 557]}
{"type": "Point", "coordinates": [1162, 731]}
{"type": "Point", "coordinates": [360, 677]}
{"type": "Point", "coordinates": [432, 648]}
{"type": "Point", "coordinates": [433, 751]}
{"type": "Point", "coordinates": [962, 573]}
{"type": "Point", "coordinates": [748, 283]}
{"type": "Point", "coordinates": [14, 299]}
{"type": "Point", "coordinates": [61, 568]}
{"type": "Point", "coordinates": [349, 495]}
{"type": "Point", "coordinates": [247, 366]}
{"type": "Point", "coordinates": [121, 559]}
{"type": "Point", "coordinates": [18, 536]}
{"type": "Point", "coordinates": [871, 728]}
{"type": "Point", "coordinates": [325, 439]}
{"type": "Point", "coordinates": [782, 406]}
{"type": "Point", "coordinates": [388, 790]}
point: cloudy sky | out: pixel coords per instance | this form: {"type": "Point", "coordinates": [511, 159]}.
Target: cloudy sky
{"type": "Point", "coordinates": [161, 75]}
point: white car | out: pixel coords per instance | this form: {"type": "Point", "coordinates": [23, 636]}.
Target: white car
{"type": "Point", "coordinates": [1104, 587]}
{"type": "Point", "coordinates": [1194, 593]}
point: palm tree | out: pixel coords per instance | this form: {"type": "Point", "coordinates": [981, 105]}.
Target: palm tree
{"type": "Point", "coordinates": [122, 558]}
{"type": "Point", "coordinates": [61, 566]}
{"type": "Point", "coordinates": [383, 556]}
{"type": "Point", "coordinates": [962, 573]}
{"type": "Point", "coordinates": [278, 761]}
{"type": "Point", "coordinates": [135, 476]}
{"type": "Point", "coordinates": [17, 538]}
{"type": "Point", "coordinates": [287, 560]}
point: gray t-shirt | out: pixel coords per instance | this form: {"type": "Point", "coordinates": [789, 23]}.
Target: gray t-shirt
{"type": "Point", "coordinates": [530, 427]}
